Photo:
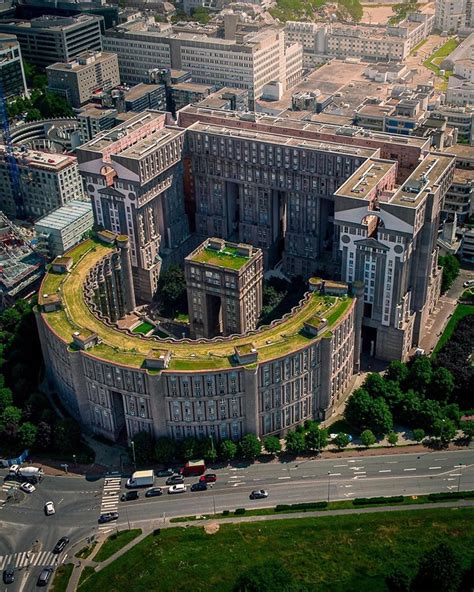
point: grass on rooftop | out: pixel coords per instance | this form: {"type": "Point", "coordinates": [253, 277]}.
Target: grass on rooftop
{"type": "Point", "coordinates": [228, 257]}
{"type": "Point", "coordinates": [432, 63]}
{"type": "Point", "coordinates": [328, 554]}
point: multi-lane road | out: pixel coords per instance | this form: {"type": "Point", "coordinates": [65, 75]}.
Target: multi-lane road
{"type": "Point", "coordinates": [27, 536]}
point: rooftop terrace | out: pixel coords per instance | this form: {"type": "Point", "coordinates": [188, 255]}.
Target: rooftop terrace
{"type": "Point", "coordinates": [120, 347]}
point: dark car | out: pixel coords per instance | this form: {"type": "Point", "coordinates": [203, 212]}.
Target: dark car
{"type": "Point", "coordinates": [154, 491]}
{"type": "Point", "coordinates": [174, 479]}
{"type": "Point", "coordinates": [165, 473]}
{"type": "Point", "coordinates": [63, 541]}
{"type": "Point", "coordinates": [208, 478]}
{"type": "Point", "coordinates": [199, 486]}
{"type": "Point", "coordinates": [108, 517]}
{"type": "Point", "coordinates": [129, 496]}
{"type": "Point", "coordinates": [9, 575]}
{"type": "Point", "coordinates": [44, 576]}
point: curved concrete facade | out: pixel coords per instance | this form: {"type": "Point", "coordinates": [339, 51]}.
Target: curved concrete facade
{"type": "Point", "coordinates": [265, 382]}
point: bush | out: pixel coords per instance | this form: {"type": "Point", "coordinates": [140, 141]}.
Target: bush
{"type": "Point", "coordinates": [309, 506]}
{"type": "Point", "coordinates": [448, 495]}
{"type": "Point", "coordinates": [239, 511]}
{"type": "Point", "coordinates": [282, 508]}
{"type": "Point", "coordinates": [367, 501]}
{"type": "Point", "coordinates": [225, 512]}
{"type": "Point", "coordinates": [418, 434]}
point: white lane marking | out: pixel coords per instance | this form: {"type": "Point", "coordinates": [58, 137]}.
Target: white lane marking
{"type": "Point", "coordinates": [335, 474]}
{"type": "Point", "coordinates": [239, 483]}
{"type": "Point", "coordinates": [455, 475]}
{"type": "Point", "coordinates": [351, 461]}
{"type": "Point", "coordinates": [385, 471]}
{"type": "Point", "coordinates": [453, 479]}
{"type": "Point", "coordinates": [361, 473]}
{"type": "Point", "coordinates": [349, 493]}
{"type": "Point", "coordinates": [434, 468]}
{"type": "Point", "coordinates": [347, 485]}
{"type": "Point", "coordinates": [335, 466]}
{"type": "Point", "coordinates": [412, 469]}
{"type": "Point", "coordinates": [284, 477]}
{"type": "Point", "coordinates": [392, 462]}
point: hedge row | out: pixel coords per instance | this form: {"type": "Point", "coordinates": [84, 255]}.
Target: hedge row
{"type": "Point", "coordinates": [303, 506]}
{"type": "Point", "coordinates": [367, 501]}
{"type": "Point", "coordinates": [436, 497]}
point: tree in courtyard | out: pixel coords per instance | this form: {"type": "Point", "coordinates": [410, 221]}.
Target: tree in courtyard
{"type": "Point", "coordinates": [392, 438]}
{"type": "Point", "coordinates": [295, 442]}
{"type": "Point", "coordinates": [207, 449]}
{"type": "Point", "coordinates": [418, 434]}
{"type": "Point", "coordinates": [272, 444]}
{"type": "Point", "coordinates": [445, 430]}
{"type": "Point", "coordinates": [439, 569]}
{"type": "Point", "coordinates": [341, 440]}
{"type": "Point", "coordinates": [450, 266]}
{"type": "Point", "coordinates": [375, 385]}
{"type": "Point", "coordinates": [397, 372]}
{"type": "Point", "coordinates": [67, 435]}
{"type": "Point", "coordinates": [172, 290]}
{"type": "Point", "coordinates": [10, 421]}
{"type": "Point", "coordinates": [189, 448]}
{"type": "Point", "coordinates": [250, 447]}
{"type": "Point", "coordinates": [227, 450]}
{"type": "Point", "coordinates": [381, 420]}
{"type": "Point", "coordinates": [165, 449]}
{"type": "Point", "coordinates": [6, 398]}
{"type": "Point", "coordinates": [44, 435]}
{"type": "Point", "coordinates": [316, 438]}
{"type": "Point", "coordinates": [398, 581]}
{"type": "Point", "coordinates": [367, 438]}
{"type": "Point", "coordinates": [27, 434]}
{"type": "Point", "coordinates": [442, 385]}
{"type": "Point", "coordinates": [358, 409]}
{"type": "Point", "coordinates": [144, 448]}
{"type": "Point", "coordinates": [468, 429]}
{"type": "Point", "coordinates": [421, 374]}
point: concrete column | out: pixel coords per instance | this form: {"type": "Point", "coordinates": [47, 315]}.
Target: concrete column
{"type": "Point", "coordinates": [358, 292]}
{"type": "Point", "coordinates": [324, 402]}
{"type": "Point", "coordinates": [126, 262]}
{"type": "Point", "coordinates": [250, 377]}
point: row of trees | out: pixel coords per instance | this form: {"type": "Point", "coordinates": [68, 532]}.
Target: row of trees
{"type": "Point", "coordinates": [26, 417]}
{"type": "Point", "coordinates": [450, 266]}
{"type": "Point", "coordinates": [416, 395]}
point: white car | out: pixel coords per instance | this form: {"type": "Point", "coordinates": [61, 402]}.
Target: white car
{"type": "Point", "coordinates": [178, 488]}
{"type": "Point", "coordinates": [49, 509]}
{"type": "Point", "coordinates": [27, 487]}
{"type": "Point", "coordinates": [468, 283]}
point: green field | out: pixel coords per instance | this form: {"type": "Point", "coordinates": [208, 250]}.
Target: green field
{"type": "Point", "coordinates": [143, 328]}
{"type": "Point", "coordinates": [461, 311]}
{"type": "Point", "coordinates": [115, 542]}
{"type": "Point", "coordinates": [435, 59]}
{"type": "Point", "coordinates": [61, 578]}
{"type": "Point", "coordinates": [329, 554]}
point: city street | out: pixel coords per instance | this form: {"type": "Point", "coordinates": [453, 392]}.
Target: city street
{"type": "Point", "coordinates": [27, 536]}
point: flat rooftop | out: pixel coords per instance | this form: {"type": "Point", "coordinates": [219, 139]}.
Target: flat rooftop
{"type": "Point", "coordinates": [228, 258]}
{"type": "Point", "coordinates": [120, 347]}
{"type": "Point", "coordinates": [280, 140]}
{"type": "Point", "coordinates": [140, 90]}
{"type": "Point", "coordinates": [192, 87]}
{"type": "Point", "coordinates": [367, 176]}
{"type": "Point", "coordinates": [75, 65]}
{"type": "Point", "coordinates": [151, 142]}
{"type": "Point", "coordinates": [65, 215]}
{"type": "Point", "coordinates": [41, 160]}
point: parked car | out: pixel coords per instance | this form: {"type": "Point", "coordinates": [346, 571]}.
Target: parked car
{"type": "Point", "coordinates": [9, 575]}
{"type": "Point", "coordinates": [44, 576]}
{"type": "Point", "coordinates": [174, 479]}
{"type": "Point", "coordinates": [165, 473]}
{"type": "Point", "coordinates": [129, 496]}
{"type": "Point", "coordinates": [49, 509]}
{"type": "Point", "coordinates": [199, 486]}
{"type": "Point", "coordinates": [259, 494]}
{"type": "Point", "coordinates": [468, 283]}
{"type": "Point", "coordinates": [178, 488]}
{"type": "Point", "coordinates": [208, 478]}
{"type": "Point", "coordinates": [154, 491]}
{"type": "Point", "coordinates": [108, 517]}
{"type": "Point", "coordinates": [59, 546]}
{"type": "Point", "coordinates": [27, 487]}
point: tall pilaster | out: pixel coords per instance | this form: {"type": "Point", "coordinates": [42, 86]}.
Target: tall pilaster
{"type": "Point", "coordinates": [128, 289]}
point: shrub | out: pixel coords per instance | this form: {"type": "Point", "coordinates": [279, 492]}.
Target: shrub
{"type": "Point", "coordinates": [225, 512]}
{"type": "Point", "coordinates": [282, 508]}
{"type": "Point", "coordinates": [367, 501]}
{"type": "Point", "coordinates": [239, 511]}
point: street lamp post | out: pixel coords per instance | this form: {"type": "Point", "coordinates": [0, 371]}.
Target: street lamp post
{"type": "Point", "coordinates": [74, 458]}
{"type": "Point", "coordinates": [133, 452]}
{"type": "Point", "coordinates": [329, 485]}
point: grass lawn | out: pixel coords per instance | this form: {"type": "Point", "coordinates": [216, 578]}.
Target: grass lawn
{"type": "Point", "coordinates": [143, 328]}
{"type": "Point", "coordinates": [332, 553]}
{"type": "Point", "coordinates": [61, 577]}
{"type": "Point", "coordinates": [432, 63]}
{"type": "Point", "coordinates": [228, 257]}
{"type": "Point", "coordinates": [461, 311]}
{"type": "Point", "coordinates": [86, 551]}
{"type": "Point", "coordinates": [115, 542]}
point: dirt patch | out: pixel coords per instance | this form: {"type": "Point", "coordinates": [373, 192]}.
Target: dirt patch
{"type": "Point", "coordinates": [211, 528]}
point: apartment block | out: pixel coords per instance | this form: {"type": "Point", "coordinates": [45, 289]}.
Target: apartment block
{"type": "Point", "coordinates": [94, 119]}
{"type": "Point", "coordinates": [145, 96]}
{"type": "Point", "coordinates": [224, 284]}
{"type": "Point", "coordinates": [454, 15]}
{"type": "Point", "coordinates": [12, 75]}
{"type": "Point", "coordinates": [46, 181]}
{"type": "Point", "coordinates": [79, 79]}
{"type": "Point", "coordinates": [251, 62]}
{"type": "Point", "coordinates": [387, 236]}
{"type": "Point", "coordinates": [187, 93]}
{"type": "Point", "coordinates": [133, 175]}
{"type": "Point", "coordinates": [49, 39]}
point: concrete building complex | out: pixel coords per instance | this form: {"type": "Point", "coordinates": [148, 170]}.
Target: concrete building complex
{"type": "Point", "coordinates": [454, 15]}
{"type": "Point", "coordinates": [49, 39]}
{"type": "Point", "coordinates": [133, 174]}
{"type": "Point", "coordinates": [63, 228]}
{"type": "Point", "coordinates": [224, 287]}
{"type": "Point", "coordinates": [80, 78]}
{"type": "Point", "coordinates": [46, 182]}
{"type": "Point", "coordinates": [12, 75]}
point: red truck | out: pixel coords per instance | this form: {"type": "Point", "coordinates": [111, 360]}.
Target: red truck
{"type": "Point", "coordinates": [193, 467]}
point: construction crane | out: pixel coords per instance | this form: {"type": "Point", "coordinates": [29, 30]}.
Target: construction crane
{"type": "Point", "coordinates": [10, 157]}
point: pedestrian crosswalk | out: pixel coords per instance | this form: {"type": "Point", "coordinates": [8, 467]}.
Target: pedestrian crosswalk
{"type": "Point", "coordinates": [110, 498]}
{"type": "Point", "coordinates": [7, 487]}
{"type": "Point", "coordinates": [24, 558]}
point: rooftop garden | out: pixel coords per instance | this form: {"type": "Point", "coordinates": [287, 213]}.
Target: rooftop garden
{"type": "Point", "coordinates": [228, 257]}
{"type": "Point", "coordinates": [118, 346]}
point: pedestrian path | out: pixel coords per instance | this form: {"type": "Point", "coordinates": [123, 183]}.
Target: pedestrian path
{"type": "Point", "coordinates": [110, 499]}
{"type": "Point", "coordinates": [7, 486]}
{"type": "Point", "coordinates": [24, 558]}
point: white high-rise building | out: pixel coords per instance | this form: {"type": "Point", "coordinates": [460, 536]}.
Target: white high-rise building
{"type": "Point", "coordinates": [452, 15]}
